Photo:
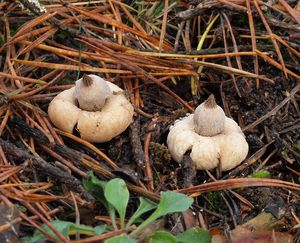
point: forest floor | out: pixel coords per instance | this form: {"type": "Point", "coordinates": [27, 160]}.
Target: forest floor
{"type": "Point", "coordinates": [168, 56]}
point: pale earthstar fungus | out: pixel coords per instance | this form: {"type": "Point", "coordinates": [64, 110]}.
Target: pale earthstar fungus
{"type": "Point", "coordinates": [211, 137]}
{"type": "Point", "coordinates": [98, 109]}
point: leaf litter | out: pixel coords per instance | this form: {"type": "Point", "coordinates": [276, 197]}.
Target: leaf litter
{"type": "Point", "coordinates": [249, 59]}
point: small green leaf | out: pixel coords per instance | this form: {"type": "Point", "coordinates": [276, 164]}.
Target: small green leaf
{"type": "Point", "coordinates": [261, 174]}
{"type": "Point", "coordinates": [22, 208]}
{"type": "Point", "coordinates": [296, 145]}
{"type": "Point", "coordinates": [120, 239]}
{"type": "Point", "coordinates": [100, 229]}
{"type": "Point", "coordinates": [85, 230]}
{"type": "Point", "coordinates": [163, 237]}
{"type": "Point", "coordinates": [66, 228]}
{"type": "Point", "coordinates": [195, 235]}
{"type": "Point", "coordinates": [170, 202]}
{"type": "Point", "coordinates": [62, 35]}
{"type": "Point", "coordinates": [97, 187]}
{"type": "Point", "coordinates": [145, 206]}
{"type": "Point", "coordinates": [36, 86]}
{"type": "Point", "coordinates": [117, 194]}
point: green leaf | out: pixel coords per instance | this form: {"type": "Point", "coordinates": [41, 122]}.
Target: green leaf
{"type": "Point", "coordinates": [261, 174]}
{"type": "Point", "coordinates": [170, 202]}
{"type": "Point", "coordinates": [195, 235]}
{"type": "Point", "coordinates": [117, 194]}
{"type": "Point", "coordinates": [145, 206]}
{"type": "Point", "coordinates": [100, 229]}
{"type": "Point", "coordinates": [163, 237]}
{"type": "Point", "coordinates": [21, 208]}
{"type": "Point", "coordinates": [62, 35]}
{"type": "Point", "coordinates": [120, 239]}
{"type": "Point", "coordinates": [296, 145]}
{"type": "Point", "coordinates": [66, 228]}
{"type": "Point", "coordinates": [97, 187]}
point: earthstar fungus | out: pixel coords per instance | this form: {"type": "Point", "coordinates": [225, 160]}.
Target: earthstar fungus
{"type": "Point", "coordinates": [97, 108]}
{"type": "Point", "coordinates": [211, 136]}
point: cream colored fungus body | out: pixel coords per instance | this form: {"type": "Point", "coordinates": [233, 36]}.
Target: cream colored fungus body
{"type": "Point", "coordinates": [94, 126]}
{"type": "Point", "coordinates": [211, 137]}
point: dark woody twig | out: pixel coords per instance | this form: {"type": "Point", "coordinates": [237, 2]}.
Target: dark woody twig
{"type": "Point", "coordinates": [44, 167]}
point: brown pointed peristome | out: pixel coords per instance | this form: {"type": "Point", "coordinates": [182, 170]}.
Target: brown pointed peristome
{"type": "Point", "coordinates": [92, 92]}
{"type": "Point", "coordinates": [210, 102]}
{"type": "Point", "coordinates": [87, 80]}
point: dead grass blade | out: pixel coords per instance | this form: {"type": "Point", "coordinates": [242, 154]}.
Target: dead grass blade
{"type": "Point", "coordinates": [4, 121]}
{"type": "Point", "coordinates": [164, 25]}
{"type": "Point", "coordinates": [253, 39]}
{"type": "Point", "coordinates": [129, 15]}
{"type": "Point", "coordinates": [192, 56]}
{"type": "Point", "coordinates": [240, 183]}
{"type": "Point", "coordinates": [109, 21]}
{"type": "Point", "coordinates": [71, 52]}
{"type": "Point", "coordinates": [9, 171]}
{"type": "Point", "coordinates": [31, 198]}
{"type": "Point", "coordinates": [135, 69]}
{"type": "Point", "coordinates": [30, 34]}
{"type": "Point", "coordinates": [293, 13]}
{"type": "Point", "coordinates": [81, 67]}
{"type": "Point", "coordinates": [227, 58]}
{"type": "Point", "coordinates": [283, 42]}
{"type": "Point", "coordinates": [233, 5]}
{"type": "Point", "coordinates": [262, 17]}
{"type": "Point", "coordinates": [30, 25]}
{"type": "Point", "coordinates": [37, 90]}
{"type": "Point", "coordinates": [88, 145]}
{"type": "Point", "coordinates": [229, 70]}
{"type": "Point", "coordinates": [8, 185]}
{"type": "Point", "coordinates": [276, 64]}
{"type": "Point", "coordinates": [38, 41]}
